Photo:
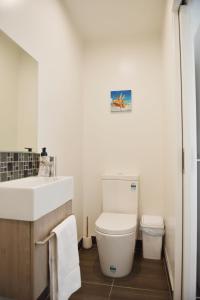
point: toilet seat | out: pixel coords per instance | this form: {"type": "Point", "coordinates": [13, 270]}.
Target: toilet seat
{"type": "Point", "coordinates": [116, 223]}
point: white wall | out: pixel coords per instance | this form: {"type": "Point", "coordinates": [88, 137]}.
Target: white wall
{"type": "Point", "coordinates": [123, 142]}
{"type": "Point", "coordinates": [172, 149]}
{"type": "Point", "coordinates": [44, 30]}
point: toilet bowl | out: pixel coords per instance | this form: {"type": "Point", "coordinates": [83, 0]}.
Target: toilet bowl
{"type": "Point", "coordinates": [116, 236]}
{"type": "Point", "coordinates": [116, 227]}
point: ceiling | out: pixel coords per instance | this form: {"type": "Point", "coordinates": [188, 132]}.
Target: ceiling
{"type": "Point", "coordinates": [116, 19]}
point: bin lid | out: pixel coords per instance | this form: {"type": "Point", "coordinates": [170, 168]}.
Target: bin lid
{"type": "Point", "coordinates": [152, 221]}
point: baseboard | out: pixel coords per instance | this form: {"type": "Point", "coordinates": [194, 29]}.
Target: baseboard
{"type": "Point", "coordinates": [169, 270]}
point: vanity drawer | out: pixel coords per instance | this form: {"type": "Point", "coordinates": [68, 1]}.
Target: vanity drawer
{"type": "Point", "coordinates": [24, 265]}
{"type": "Point", "coordinates": [40, 229]}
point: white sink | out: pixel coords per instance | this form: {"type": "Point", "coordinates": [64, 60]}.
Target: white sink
{"type": "Point", "coordinates": [30, 198]}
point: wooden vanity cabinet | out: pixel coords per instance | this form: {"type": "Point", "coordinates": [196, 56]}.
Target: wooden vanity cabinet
{"type": "Point", "coordinates": [24, 271]}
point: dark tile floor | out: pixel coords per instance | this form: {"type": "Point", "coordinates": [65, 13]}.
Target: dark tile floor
{"type": "Point", "coordinates": [147, 281]}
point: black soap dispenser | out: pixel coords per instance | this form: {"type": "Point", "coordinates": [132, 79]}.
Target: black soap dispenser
{"type": "Point", "coordinates": [44, 169]}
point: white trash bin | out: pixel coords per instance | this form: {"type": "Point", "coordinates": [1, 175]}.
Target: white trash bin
{"type": "Point", "coordinates": [152, 234]}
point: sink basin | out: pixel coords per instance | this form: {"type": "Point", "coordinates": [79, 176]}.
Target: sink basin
{"type": "Point", "coordinates": [30, 198]}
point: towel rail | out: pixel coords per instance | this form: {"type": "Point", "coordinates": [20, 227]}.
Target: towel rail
{"type": "Point", "coordinates": [43, 242]}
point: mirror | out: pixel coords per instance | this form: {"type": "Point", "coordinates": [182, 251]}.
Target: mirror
{"type": "Point", "coordinates": [18, 97]}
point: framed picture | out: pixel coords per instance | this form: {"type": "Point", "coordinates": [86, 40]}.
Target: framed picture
{"type": "Point", "coordinates": [121, 100]}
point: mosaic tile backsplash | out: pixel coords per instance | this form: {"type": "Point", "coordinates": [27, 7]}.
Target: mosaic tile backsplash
{"type": "Point", "coordinates": [14, 165]}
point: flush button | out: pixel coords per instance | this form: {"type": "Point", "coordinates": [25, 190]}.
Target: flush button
{"type": "Point", "coordinates": [133, 186]}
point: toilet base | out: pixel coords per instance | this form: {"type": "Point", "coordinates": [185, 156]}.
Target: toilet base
{"type": "Point", "coordinates": [116, 253]}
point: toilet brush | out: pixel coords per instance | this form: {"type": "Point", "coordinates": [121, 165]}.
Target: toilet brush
{"type": "Point", "coordinates": [87, 240]}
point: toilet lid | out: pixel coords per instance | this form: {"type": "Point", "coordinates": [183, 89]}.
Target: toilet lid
{"type": "Point", "coordinates": [115, 223]}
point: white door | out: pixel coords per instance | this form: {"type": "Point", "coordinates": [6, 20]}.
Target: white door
{"type": "Point", "coordinates": [189, 22]}
{"type": "Point", "coordinates": [197, 73]}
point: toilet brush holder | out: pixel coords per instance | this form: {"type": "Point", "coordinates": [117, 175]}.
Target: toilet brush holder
{"type": "Point", "coordinates": [87, 242]}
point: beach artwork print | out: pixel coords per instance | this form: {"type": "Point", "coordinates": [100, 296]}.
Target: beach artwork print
{"type": "Point", "coordinates": [121, 100]}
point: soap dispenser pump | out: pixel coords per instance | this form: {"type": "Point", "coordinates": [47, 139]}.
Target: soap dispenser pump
{"type": "Point", "coordinates": [44, 169]}
{"type": "Point", "coordinates": [44, 152]}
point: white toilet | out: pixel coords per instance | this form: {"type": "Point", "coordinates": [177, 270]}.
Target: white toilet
{"type": "Point", "coordinates": [116, 227]}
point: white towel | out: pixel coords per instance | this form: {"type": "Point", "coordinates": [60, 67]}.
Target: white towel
{"type": "Point", "coordinates": [65, 276]}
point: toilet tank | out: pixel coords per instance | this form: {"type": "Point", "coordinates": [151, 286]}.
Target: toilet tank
{"type": "Point", "coordinates": [120, 193]}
